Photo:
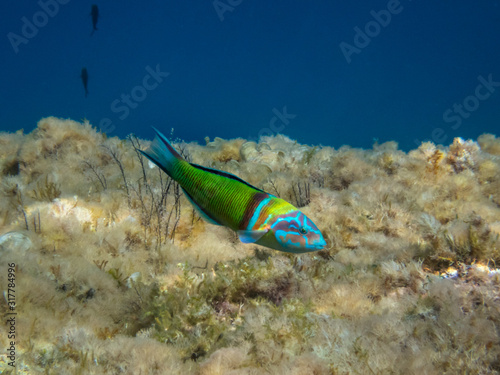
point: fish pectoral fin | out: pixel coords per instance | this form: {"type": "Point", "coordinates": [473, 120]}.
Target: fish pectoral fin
{"type": "Point", "coordinates": [251, 236]}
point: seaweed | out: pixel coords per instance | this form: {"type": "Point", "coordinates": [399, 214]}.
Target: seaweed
{"type": "Point", "coordinates": [302, 194]}
{"type": "Point", "coordinates": [11, 168]}
{"type": "Point", "coordinates": [272, 182]}
{"type": "Point", "coordinates": [153, 203]}
{"type": "Point", "coordinates": [118, 276]}
{"type": "Point", "coordinates": [434, 161]}
{"type": "Point", "coordinates": [20, 206]}
{"type": "Point", "coordinates": [46, 191]}
{"type": "Point", "coordinates": [382, 290]}
{"type": "Point", "coordinates": [116, 157]}
{"type": "Point", "coordinates": [199, 312]}
{"type": "Point", "coordinates": [38, 229]}
{"type": "Point", "coordinates": [308, 155]}
{"type": "Point", "coordinates": [99, 175]}
{"type": "Point", "coordinates": [387, 163]}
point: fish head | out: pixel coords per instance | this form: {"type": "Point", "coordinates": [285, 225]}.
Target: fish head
{"type": "Point", "coordinates": [296, 233]}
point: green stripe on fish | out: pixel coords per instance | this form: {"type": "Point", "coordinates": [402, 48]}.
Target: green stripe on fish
{"type": "Point", "coordinates": [222, 198]}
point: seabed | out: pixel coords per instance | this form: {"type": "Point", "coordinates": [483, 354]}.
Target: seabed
{"type": "Point", "coordinates": [111, 271]}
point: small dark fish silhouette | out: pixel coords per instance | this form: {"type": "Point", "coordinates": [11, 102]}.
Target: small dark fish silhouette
{"type": "Point", "coordinates": [85, 80]}
{"type": "Point", "coordinates": [94, 12]}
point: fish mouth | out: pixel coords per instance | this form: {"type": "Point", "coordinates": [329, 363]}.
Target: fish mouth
{"type": "Point", "coordinates": [316, 247]}
{"type": "Point", "coordinates": [320, 245]}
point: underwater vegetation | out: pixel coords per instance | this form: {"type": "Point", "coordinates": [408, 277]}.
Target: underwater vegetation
{"type": "Point", "coordinates": [117, 274]}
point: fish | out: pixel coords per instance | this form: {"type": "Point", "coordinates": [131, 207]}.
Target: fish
{"type": "Point", "coordinates": [85, 79]}
{"type": "Point", "coordinates": [222, 198]}
{"type": "Point", "coordinates": [94, 12]}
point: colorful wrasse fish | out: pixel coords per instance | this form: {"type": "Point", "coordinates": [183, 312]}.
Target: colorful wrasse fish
{"type": "Point", "coordinates": [224, 199]}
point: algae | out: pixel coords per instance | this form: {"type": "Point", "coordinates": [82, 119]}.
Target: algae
{"type": "Point", "coordinates": [117, 273]}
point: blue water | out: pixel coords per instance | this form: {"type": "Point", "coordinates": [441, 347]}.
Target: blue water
{"type": "Point", "coordinates": [240, 68]}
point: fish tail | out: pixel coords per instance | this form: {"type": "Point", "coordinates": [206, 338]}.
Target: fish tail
{"type": "Point", "coordinates": [164, 155]}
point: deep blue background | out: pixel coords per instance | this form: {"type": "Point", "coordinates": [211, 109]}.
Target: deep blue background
{"type": "Point", "coordinates": [227, 76]}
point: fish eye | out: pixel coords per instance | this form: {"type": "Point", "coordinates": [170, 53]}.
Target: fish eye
{"type": "Point", "coordinates": [303, 230]}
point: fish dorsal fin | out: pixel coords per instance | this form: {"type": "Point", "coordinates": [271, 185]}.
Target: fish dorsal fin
{"type": "Point", "coordinates": [251, 236]}
{"type": "Point", "coordinates": [204, 215]}
{"type": "Point", "coordinates": [225, 174]}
